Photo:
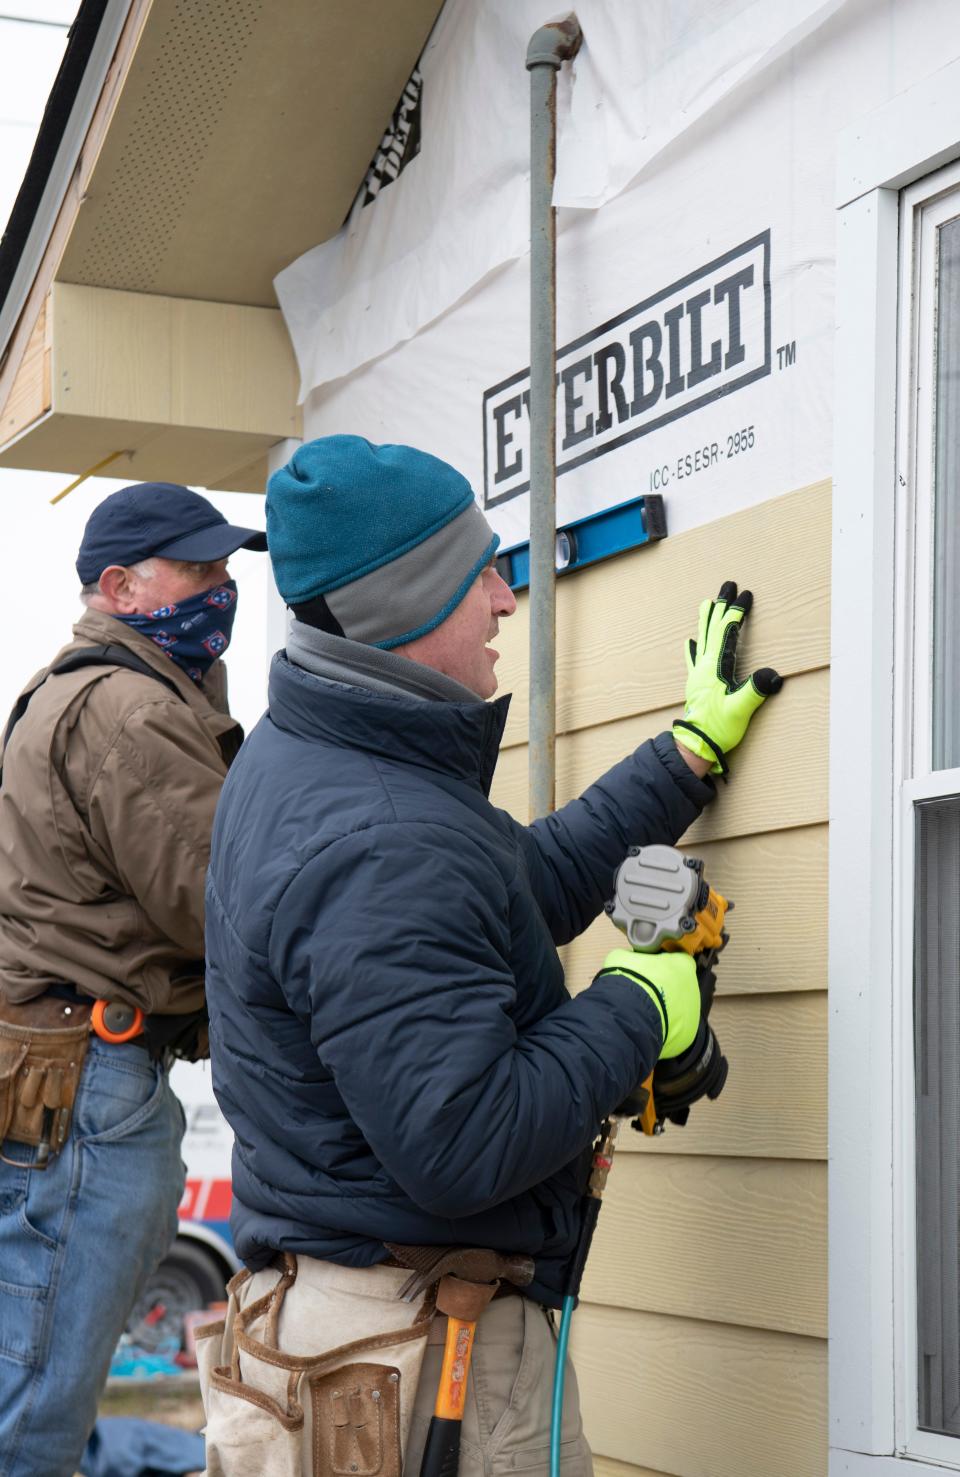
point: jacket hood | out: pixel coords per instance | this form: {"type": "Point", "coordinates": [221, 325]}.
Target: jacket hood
{"type": "Point", "coordinates": [459, 739]}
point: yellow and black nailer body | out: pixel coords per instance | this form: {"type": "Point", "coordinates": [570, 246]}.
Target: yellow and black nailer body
{"type": "Point", "coordinates": [662, 902]}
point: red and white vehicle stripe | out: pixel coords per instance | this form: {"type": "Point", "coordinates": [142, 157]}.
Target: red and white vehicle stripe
{"type": "Point", "coordinates": [206, 1200]}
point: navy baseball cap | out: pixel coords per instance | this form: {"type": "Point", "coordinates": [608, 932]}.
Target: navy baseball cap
{"type": "Point", "coordinates": [159, 519]}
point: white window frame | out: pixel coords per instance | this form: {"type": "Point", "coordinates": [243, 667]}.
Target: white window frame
{"type": "Point", "coordinates": [924, 206]}
{"type": "Point", "coordinates": [872, 1422]}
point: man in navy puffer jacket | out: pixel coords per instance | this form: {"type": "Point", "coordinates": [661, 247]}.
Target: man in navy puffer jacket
{"type": "Point", "coordinates": [393, 1042]}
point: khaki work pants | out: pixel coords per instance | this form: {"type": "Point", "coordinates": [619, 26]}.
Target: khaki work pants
{"type": "Point", "coordinates": [320, 1371]}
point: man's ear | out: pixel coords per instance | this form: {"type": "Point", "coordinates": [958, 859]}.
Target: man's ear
{"type": "Point", "coordinates": [117, 589]}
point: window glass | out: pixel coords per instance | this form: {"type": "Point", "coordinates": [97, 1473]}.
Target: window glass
{"type": "Point", "coordinates": [937, 986]}
{"type": "Point", "coordinates": [946, 592]}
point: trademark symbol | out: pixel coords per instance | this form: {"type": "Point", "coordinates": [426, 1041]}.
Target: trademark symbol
{"type": "Point", "coordinates": [787, 354]}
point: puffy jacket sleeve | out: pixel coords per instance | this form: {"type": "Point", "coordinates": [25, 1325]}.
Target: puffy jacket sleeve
{"type": "Point", "coordinates": [572, 855]}
{"type": "Point", "coordinates": [394, 943]}
{"type": "Point", "coordinates": [150, 809]}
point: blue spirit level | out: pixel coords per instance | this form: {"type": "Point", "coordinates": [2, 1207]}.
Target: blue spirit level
{"type": "Point", "coordinates": [629, 525]}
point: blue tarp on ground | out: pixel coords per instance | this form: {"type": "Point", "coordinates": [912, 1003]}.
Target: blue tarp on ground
{"type": "Point", "coordinates": [120, 1446]}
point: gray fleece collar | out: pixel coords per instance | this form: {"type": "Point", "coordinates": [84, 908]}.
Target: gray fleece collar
{"type": "Point", "coordinates": [357, 665]}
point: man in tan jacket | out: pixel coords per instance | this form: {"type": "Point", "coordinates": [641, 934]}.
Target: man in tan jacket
{"type": "Point", "coordinates": [111, 767]}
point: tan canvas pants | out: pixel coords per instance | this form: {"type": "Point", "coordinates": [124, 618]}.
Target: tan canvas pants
{"type": "Point", "coordinates": [320, 1370]}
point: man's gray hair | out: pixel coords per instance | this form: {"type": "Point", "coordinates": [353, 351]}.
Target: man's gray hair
{"type": "Point", "coordinates": [145, 568]}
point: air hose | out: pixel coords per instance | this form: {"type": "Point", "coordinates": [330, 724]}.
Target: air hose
{"type": "Point", "coordinates": [556, 1420]}
{"type": "Point", "coordinates": [600, 1168]}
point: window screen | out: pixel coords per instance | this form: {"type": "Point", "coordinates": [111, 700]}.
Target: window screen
{"type": "Point", "coordinates": [946, 589]}
{"type": "Point", "coordinates": [937, 985]}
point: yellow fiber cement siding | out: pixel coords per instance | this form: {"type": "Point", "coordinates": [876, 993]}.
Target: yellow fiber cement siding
{"type": "Point", "coordinates": [700, 1341]}
{"type": "Point", "coordinates": [605, 1466]}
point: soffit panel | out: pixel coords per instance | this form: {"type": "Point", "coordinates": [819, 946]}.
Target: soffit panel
{"type": "Point", "coordinates": [239, 140]}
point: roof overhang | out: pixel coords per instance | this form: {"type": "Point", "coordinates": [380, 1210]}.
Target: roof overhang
{"type": "Point", "coordinates": [169, 389]}
{"type": "Point", "coordinates": [205, 147]}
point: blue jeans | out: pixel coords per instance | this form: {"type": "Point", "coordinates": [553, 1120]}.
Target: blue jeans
{"type": "Point", "coordinates": [77, 1241]}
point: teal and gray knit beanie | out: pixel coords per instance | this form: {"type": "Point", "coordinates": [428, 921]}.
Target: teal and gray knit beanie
{"type": "Point", "coordinates": [385, 540]}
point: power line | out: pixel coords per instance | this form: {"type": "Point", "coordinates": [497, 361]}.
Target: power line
{"type": "Point", "coordinates": [30, 20]}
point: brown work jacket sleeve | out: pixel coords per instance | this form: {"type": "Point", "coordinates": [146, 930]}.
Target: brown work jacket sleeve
{"type": "Point", "coordinates": [151, 808]}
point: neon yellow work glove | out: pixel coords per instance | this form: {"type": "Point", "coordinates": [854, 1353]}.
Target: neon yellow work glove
{"type": "Point", "coordinates": [717, 708]}
{"type": "Point", "coordinates": [671, 982]}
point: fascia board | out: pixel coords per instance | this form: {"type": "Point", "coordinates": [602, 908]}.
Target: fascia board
{"type": "Point", "coordinates": [64, 165]}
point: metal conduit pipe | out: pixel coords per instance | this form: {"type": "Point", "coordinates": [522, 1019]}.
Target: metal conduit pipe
{"type": "Point", "coordinates": [549, 48]}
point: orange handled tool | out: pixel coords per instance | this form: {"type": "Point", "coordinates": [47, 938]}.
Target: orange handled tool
{"type": "Point", "coordinates": [441, 1454]}
{"type": "Point", "coordinates": [116, 1022]}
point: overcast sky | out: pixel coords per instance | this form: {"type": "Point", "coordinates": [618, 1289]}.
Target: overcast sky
{"type": "Point", "coordinates": [38, 602]}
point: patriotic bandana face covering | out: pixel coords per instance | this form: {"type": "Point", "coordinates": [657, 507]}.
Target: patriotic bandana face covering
{"type": "Point", "coordinates": [195, 631]}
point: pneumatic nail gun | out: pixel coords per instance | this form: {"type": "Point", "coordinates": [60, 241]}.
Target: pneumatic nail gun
{"type": "Point", "coordinates": [663, 902]}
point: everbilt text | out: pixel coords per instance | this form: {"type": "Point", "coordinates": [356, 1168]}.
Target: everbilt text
{"type": "Point", "coordinates": [700, 338]}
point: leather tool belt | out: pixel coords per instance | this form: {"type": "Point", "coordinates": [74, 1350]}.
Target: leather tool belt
{"type": "Point", "coordinates": [43, 1044]}
{"type": "Point", "coordinates": [346, 1410]}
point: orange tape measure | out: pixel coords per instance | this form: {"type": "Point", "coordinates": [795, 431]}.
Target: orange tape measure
{"type": "Point", "coordinates": [115, 1022]}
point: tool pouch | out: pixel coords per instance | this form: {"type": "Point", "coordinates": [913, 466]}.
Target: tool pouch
{"type": "Point", "coordinates": [43, 1044]}
{"type": "Point", "coordinates": [338, 1412]}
